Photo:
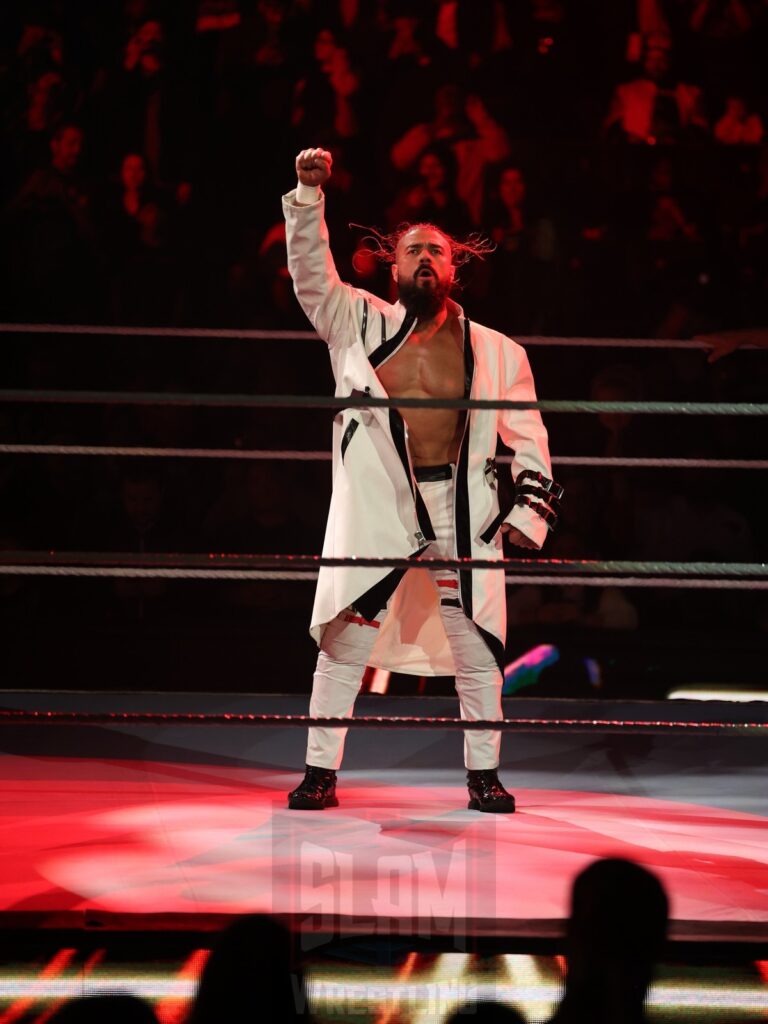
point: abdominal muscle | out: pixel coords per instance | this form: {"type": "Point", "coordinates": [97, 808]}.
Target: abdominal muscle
{"type": "Point", "coordinates": [434, 435]}
{"type": "Point", "coordinates": [429, 368]}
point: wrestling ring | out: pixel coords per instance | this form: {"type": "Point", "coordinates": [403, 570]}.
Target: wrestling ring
{"type": "Point", "coordinates": [181, 797]}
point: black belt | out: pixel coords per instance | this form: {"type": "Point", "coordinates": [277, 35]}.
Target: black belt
{"type": "Point", "coordinates": [427, 473]}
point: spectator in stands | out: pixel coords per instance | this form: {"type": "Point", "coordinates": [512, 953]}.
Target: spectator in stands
{"type": "Point", "coordinates": [594, 279]}
{"type": "Point", "coordinates": [617, 435]}
{"type": "Point", "coordinates": [260, 290]}
{"type": "Point", "coordinates": [412, 68]}
{"type": "Point", "coordinates": [670, 265]}
{"type": "Point", "coordinates": [738, 126]}
{"type": "Point", "coordinates": [149, 289]}
{"type": "Point", "coordinates": [120, 218]}
{"type": "Point", "coordinates": [138, 239]}
{"type": "Point", "coordinates": [325, 98]}
{"type": "Point", "coordinates": [50, 239]}
{"type": "Point", "coordinates": [250, 513]}
{"type": "Point", "coordinates": [252, 956]}
{"type": "Point", "coordinates": [474, 32]}
{"type": "Point", "coordinates": [46, 102]}
{"type": "Point", "coordinates": [433, 198]}
{"type": "Point", "coordinates": [142, 522]}
{"type": "Point", "coordinates": [466, 126]}
{"type": "Point", "coordinates": [725, 47]}
{"type": "Point", "coordinates": [658, 108]}
{"type": "Point", "coordinates": [145, 106]}
{"type": "Point", "coordinates": [524, 263]}
{"type": "Point", "coordinates": [621, 433]}
{"type": "Point", "coordinates": [616, 932]}
{"type": "Point", "coordinates": [723, 343]}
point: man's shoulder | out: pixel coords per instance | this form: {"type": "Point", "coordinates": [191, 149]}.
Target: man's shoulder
{"type": "Point", "coordinates": [376, 302]}
{"type": "Point", "coordinates": [493, 336]}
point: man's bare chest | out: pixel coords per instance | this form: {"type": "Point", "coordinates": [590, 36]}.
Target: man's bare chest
{"type": "Point", "coordinates": [432, 367]}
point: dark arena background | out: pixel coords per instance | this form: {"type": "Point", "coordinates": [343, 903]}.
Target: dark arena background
{"type": "Point", "coordinates": [165, 460]}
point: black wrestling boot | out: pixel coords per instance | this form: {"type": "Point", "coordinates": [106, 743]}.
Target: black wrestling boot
{"type": "Point", "coordinates": [316, 792]}
{"type": "Point", "coordinates": [486, 793]}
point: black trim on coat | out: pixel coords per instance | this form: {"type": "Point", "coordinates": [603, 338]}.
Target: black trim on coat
{"type": "Point", "coordinates": [487, 535]}
{"type": "Point", "coordinates": [463, 522]}
{"type": "Point", "coordinates": [506, 486]}
{"type": "Point", "coordinates": [397, 426]}
{"type": "Point", "coordinates": [370, 604]}
{"type": "Point", "coordinates": [372, 601]}
{"type": "Point", "coordinates": [388, 348]}
{"type": "Point", "coordinates": [349, 433]}
{"type": "Point", "coordinates": [364, 325]}
{"type": "Point", "coordinates": [495, 646]}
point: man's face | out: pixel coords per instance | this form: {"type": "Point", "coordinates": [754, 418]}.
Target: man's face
{"type": "Point", "coordinates": [512, 187]}
{"type": "Point", "coordinates": [132, 171]}
{"type": "Point", "coordinates": [657, 63]}
{"type": "Point", "coordinates": [431, 170]}
{"type": "Point", "coordinates": [423, 270]}
{"type": "Point", "coordinates": [325, 44]}
{"type": "Point", "coordinates": [66, 149]}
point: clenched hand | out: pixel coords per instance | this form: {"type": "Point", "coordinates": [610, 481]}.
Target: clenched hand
{"type": "Point", "coordinates": [313, 166]}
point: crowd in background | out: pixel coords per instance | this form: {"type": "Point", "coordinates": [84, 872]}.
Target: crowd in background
{"type": "Point", "coordinates": [616, 934]}
{"type": "Point", "coordinates": [615, 152]}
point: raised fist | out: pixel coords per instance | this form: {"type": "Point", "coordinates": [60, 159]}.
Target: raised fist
{"type": "Point", "coordinates": [313, 166]}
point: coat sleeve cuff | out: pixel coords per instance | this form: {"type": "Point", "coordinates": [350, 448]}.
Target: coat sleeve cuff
{"type": "Point", "coordinates": [528, 522]}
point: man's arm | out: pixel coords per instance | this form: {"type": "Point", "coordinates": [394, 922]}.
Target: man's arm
{"type": "Point", "coordinates": [326, 300]}
{"type": "Point", "coordinates": [523, 431]}
{"type": "Point", "coordinates": [492, 138]}
{"type": "Point", "coordinates": [409, 147]}
{"type": "Point", "coordinates": [725, 342]}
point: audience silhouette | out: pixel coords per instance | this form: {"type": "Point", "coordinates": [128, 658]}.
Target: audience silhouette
{"type": "Point", "coordinates": [616, 931]}
{"type": "Point", "coordinates": [252, 957]}
{"type": "Point", "coordinates": [117, 1009]}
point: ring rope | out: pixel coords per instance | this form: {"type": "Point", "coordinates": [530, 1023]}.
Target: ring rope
{"type": "Point", "coordinates": [234, 401]}
{"type": "Point", "coordinates": [211, 560]}
{"type": "Point", "coordinates": [137, 451]}
{"type": "Point", "coordinates": [23, 717]}
{"type": "Point", "coordinates": [690, 583]}
{"type": "Point", "coordinates": [277, 335]}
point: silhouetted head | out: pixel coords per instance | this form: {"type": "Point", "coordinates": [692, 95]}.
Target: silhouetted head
{"type": "Point", "coordinates": [117, 1009]}
{"type": "Point", "coordinates": [616, 932]}
{"type": "Point", "coordinates": [251, 957]}
{"type": "Point", "coordinates": [485, 1012]}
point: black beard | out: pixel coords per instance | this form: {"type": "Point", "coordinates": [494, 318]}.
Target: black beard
{"type": "Point", "coordinates": [423, 303]}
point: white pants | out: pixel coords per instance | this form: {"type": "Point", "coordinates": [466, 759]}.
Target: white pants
{"type": "Point", "coordinates": [348, 640]}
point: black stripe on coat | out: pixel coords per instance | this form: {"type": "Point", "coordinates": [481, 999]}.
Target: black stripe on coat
{"type": "Point", "coordinates": [349, 433]}
{"type": "Point", "coordinates": [495, 646]}
{"type": "Point", "coordinates": [364, 325]}
{"type": "Point", "coordinates": [388, 348]}
{"type": "Point", "coordinates": [463, 525]}
{"type": "Point", "coordinates": [375, 599]}
{"type": "Point", "coordinates": [397, 427]}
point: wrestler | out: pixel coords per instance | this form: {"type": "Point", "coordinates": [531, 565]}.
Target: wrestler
{"type": "Point", "coordinates": [413, 482]}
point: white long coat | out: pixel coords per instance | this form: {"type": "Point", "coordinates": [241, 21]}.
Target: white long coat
{"type": "Point", "coordinates": [376, 508]}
